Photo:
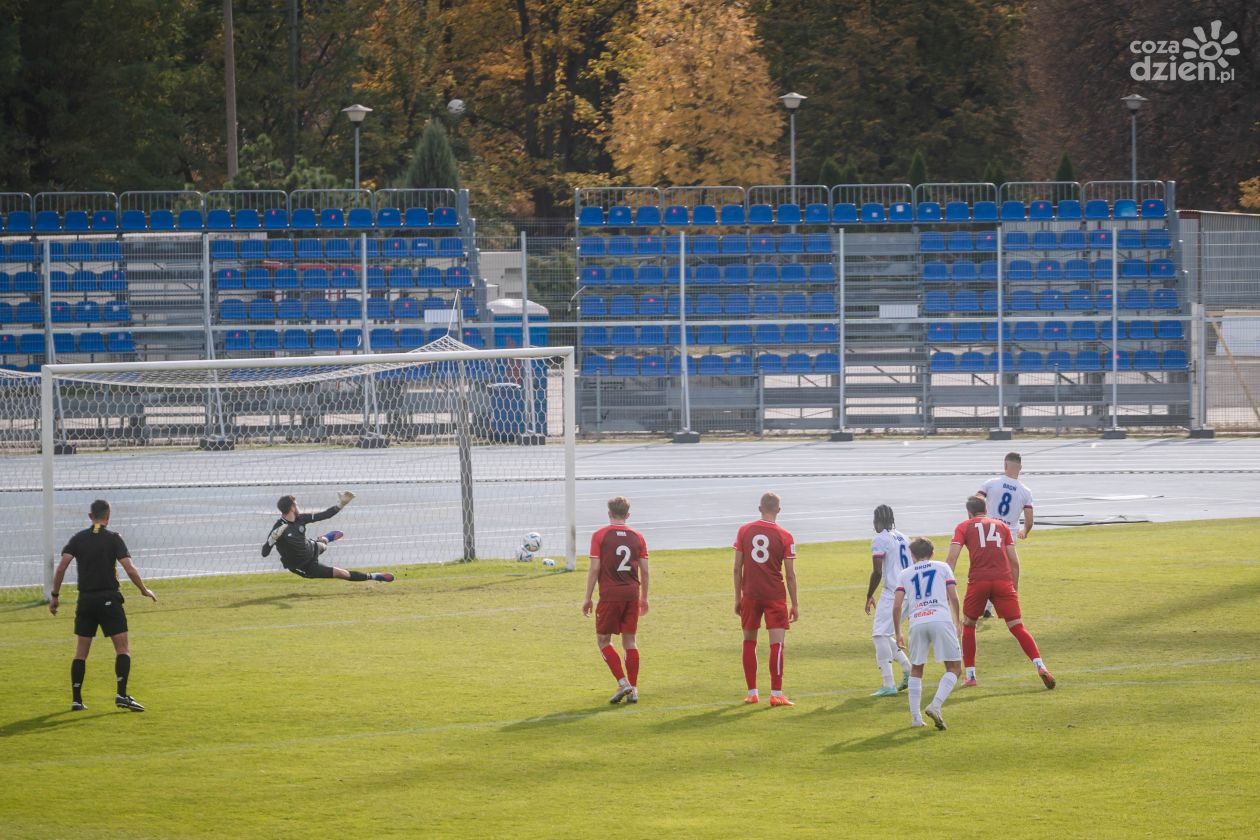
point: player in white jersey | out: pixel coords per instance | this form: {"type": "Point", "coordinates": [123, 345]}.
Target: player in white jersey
{"type": "Point", "coordinates": [1007, 497]}
{"type": "Point", "coordinates": [926, 589]}
{"type": "Point", "coordinates": [889, 555]}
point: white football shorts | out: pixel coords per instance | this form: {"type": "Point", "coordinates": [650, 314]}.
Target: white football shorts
{"type": "Point", "coordinates": [940, 636]}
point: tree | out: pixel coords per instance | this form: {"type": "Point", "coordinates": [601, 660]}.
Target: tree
{"type": "Point", "coordinates": [683, 116]}
{"type": "Point", "coordinates": [1066, 171]}
{"type": "Point", "coordinates": [850, 173]}
{"type": "Point", "coordinates": [994, 173]}
{"type": "Point", "coordinates": [918, 169]}
{"type": "Point", "coordinates": [433, 164]}
{"type": "Point", "coordinates": [831, 173]}
{"type": "Point", "coordinates": [263, 168]}
{"type": "Point", "coordinates": [1250, 194]}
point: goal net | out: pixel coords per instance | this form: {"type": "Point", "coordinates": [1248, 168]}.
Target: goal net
{"type": "Point", "coordinates": [453, 454]}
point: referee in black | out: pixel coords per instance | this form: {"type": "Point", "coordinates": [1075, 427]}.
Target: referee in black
{"type": "Point", "coordinates": [96, 550]}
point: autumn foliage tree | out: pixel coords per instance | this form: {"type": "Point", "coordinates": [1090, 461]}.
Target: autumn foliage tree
{"type": "Point", "coordinates": [696, 106]}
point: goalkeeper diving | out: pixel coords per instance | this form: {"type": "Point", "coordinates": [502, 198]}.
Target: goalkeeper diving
{"type": "Point", "coordinates": [301, 555]}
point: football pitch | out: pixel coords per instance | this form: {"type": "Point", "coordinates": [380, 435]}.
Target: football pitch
{"type": "Point", "coordinates": [470, 701]}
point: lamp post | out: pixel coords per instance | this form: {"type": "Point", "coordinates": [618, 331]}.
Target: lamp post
{"type": "Point", "coordinates": [356, 113]}
{"type": "Point", "coordinates": [792, 101]}
{"type": "Point", "coordinates": [1133, 102]}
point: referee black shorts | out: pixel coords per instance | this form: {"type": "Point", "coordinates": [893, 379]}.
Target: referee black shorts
{"type": "Point", "coordinates": [100, 609]}
{"type": "Point", "coordinates": [313, 569]}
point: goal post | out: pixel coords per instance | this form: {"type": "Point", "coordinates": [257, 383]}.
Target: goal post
{"type": "Point", "coordinates": [193, 456]}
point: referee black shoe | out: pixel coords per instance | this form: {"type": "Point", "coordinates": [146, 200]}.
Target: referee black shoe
{"type": "Point", "coordinates": [77, 706]}
{"type": "Point", "coordinates": [126, 701]}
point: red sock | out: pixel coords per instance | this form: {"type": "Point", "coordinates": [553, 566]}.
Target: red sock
{"type": "Point", "coordinates": [750, 663]}
{"type": "Point", "coordinates": [969, 645]}
{"type": "Point", "coordinates": [632, 665]}
{"type": "Point", "coordinates": [1025, 639]}
{"type": "Point", "coordinates": [614, 662]}
{"type": "Point", "coordinates": [776, 667]}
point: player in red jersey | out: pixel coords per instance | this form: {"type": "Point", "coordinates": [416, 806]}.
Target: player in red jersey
{"type": "Point", "coordinates": [765, 555]}
{"type": "Point", "coordinates": [992, 576]}
{"type": "Point", "coordinates": [619, 561]}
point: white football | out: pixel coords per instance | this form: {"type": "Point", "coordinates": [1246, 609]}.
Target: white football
{"type": "Point", "coordinates": [533, 541]}
{"type": "Point", "coordinates": [524, 555]}
{"type": "Point", "coordinates": [548, 562]}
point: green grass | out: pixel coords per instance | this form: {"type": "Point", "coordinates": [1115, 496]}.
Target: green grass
{"type": "Point", "coordinates": [470, 701]}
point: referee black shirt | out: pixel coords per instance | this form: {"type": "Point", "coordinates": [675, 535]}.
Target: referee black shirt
{"type": "Point", "coordinates": [96, 550]}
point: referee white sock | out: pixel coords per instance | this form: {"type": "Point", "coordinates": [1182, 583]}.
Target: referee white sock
{"type": "Point", "coordinates": [943, 689]}
{"type": "Point", "coordinates": [916, 697]}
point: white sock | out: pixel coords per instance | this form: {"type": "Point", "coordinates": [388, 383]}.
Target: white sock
{"type": "Point", "coordinates": [774, 693]}
{"type": "Point", "coordinates": [1038, 664]}
{"type": "Point", "coordinates": [752, 692]}
{"type": "Point", "coordinates": [623, 682]}
{"type": "Point", "coordinates": [946, 685]}
{"type": "Point", "coordinates": [916, 696]}
{"type": "Point", "coordinates": [902, 660]}
{"type": "Point", "coordinates": [971, 673]}
{"type": "Point", "coordinates": [884, 648]}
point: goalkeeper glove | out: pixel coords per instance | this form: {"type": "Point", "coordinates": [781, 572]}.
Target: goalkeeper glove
{"type": "Point", "coordinates": [344, 498]}
{"type": "Point", "coordinates": [332, 536]}
{"type": "Point", "coordinates": [277, 533]}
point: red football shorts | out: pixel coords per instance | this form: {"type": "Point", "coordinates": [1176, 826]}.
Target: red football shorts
{"type": "Point", "coordinates": [1000, 592]}
{"type": "Point", "coordinates": [752, 609]}
{"type": "Point", "coordinates": [612, 617]}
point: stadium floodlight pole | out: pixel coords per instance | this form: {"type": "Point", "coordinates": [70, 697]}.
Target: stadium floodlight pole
{"type": "Point", "coordinates": [1001, 433]}
{"type": "Point", "coordinates": [792, 101]}
{"type": "Point", "coordinates": [1115, 432]}
{"type": "Point", "coordinates": [356, 113]}
{"type": "Point", "coordinates": [229, 84]}
{"type": "Point", "coordinates": [684, 368]}
{"type": "Point", "coordinates": [1133, 102]}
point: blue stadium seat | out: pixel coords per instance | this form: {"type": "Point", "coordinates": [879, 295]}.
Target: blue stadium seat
{"type": "Point", "coordinates": [648, 215]}
{"type": "Point", "coordinates": [593, 306]}
{"type": "Point", "coordinates": [986, 241]}
{"type": "Point", "coordinates": [1015, 240]}
{"type": "Point", "coordinates": [988, 301]}
{"type": "Point", "coordinates": [1088, 360]}
{"type": "Point", "coordinates": [457, 277]}
{"type": "Point", "coordinates": [1076, 270]}
{"type": "Point", "coordinates": [817, 214]}
{"type": "Point", "coordinates": [798, 363]}
{"type": "Point", "coordinates": [760, 214]}
{"type": "Point", "coordinates": [731, 214]}
{"type": "Point", "coordinates": [791, 243]}
{"type": "Point", "coordinates": [133, 221]}
{"type": "Point", "coordinates": [676, 215]}
{"type": "Point", "coordinates": [116, 310]}
{"type": "Point", "coordinates": [624, 366]}
{"type": "Point", "coordinates": [223, 249]}
{"type": "Point", "coordinates": [764, 244]}
{"type": "Point", "coordinates": [620, 245]}
{"type": "Point", "coordinates": [303, 218]}
{"type": "Point", "coordinates": [1080, 300]}
{"type": "Point", "coordinates": [1059, 360]}
{"type": "Point", "coordinates": [1174, 360]}
{"type": "Point", "coordinates": [91, 342]}
{"type": "Point", "coordinates": [792, 273]}
{"type": "Point", "coordinates": [703, 244]}
{"type": "Point", "coordinates": [594, 275]}
{"type": "Point", "coordinates": [793, 303]}
{"type": "Point", "coordinates": [704, 214]}
{"type": "Point", "coordinates": [788, 214]}
{"type": "Point", "coordinates": [280, 249]}
{"type": "Point", "coordinates": [290, 309]}
{"type": "Point", "coordinates": [963, 272]}
{"type": "Point", "coordinates": [1049, 270]}
{"type": "Point", "coordinates": [873, 212]}
{"type": "Point", "coordinates": [1027, 331]}
{"type": "Point", "coordinates": [319, 309]}
{"type": "Point", "coordinates": [1097, 209]}
{"type": "Point", "coordinates": [1082, 331]}
{"type": "Point", "coordinates": [711, 365]}
{"type": "Point", "coordinates": [1044, 240]}
{"type": "Point", "coordinates": [593, 365]}
{"type": "Point", "coordinates": [1030, 361]}
{"type": "Point", "coordinates": [266, 340]}
{"type": "Point", "coordinates": [261, 309]}
{"type": "Point", "coordinates": [230, 309]}
{"type": "Point", "coordinates": [255, 279]}
{"type": "Point", "coordinates": [591, 217]}
{"type": "Point", "coordinates": [1069, 209]}
{"type": "Point", "coordinates": [935, 272]}
{"type": "Point", "coordinates": [1072, 240]}
{"type": "Point", "coordinates": [427, 277]}
{"type": "Point", "coordinates": [337, 249]}
{"type": "Point", "coordinates": [252, 249]}
{"type": "Point", "coordinates": [1162, 268]}
{"type": "Point", "coordinates": [984, 211]}
{"type": "Point", "coordinates": [1102, 269]}
{"type": "Point", "coordinates": [285, 279]}
{"type": "Point", "coordinates": [822, 273]}
{"type": "Point", "coordinates": [1153, 208]}
{"type": "Point", "coordinates": [1130, 240]}
{"type": "Point", "coordinates": [736, 305]}
{"type": "Point", "coordinates": [651, 306]}
{"type": "Point", "coordinates": [988, 269]}
{"type": "Point", "coordinates": [929, 211]}
{"type": "Point", "coordinates": [47, 221]}
{"type": "Point", "coordinates": [1138, 330]}
{"type": "Point", "coordinates": [1019, 270]}
{"type": "Point", "coordinates": [1166, 299]}
{"type": "Point", "coordinates": [1040, 210]}
{"type": "Point", "coordinates": [19, 221]}
{"type": "Point", "coordinates": [295, 340]}
{"type": "Point", "coordinates": [1143, 360]}
{"type": "Point", "coordinates": [275, 218]}
{"type": "Point", "coordinates": [247, 219]}
{"type": "Point", "coordinates": [59, 312]}
{"type": "Point", "coordinates": [943, 362]}
{"type": "Point", "coordinates": [1125, 208]}
{"type": "Point", "coordinates": [971, 362]}
{"type": "Point", "coordinates": [1051, 300]}
{"type": "Point", "coordinates": [234, 340]}
{"type": "Point", "coordinates": [315, 278]}
{"type": "Point", "coordinates": [739, 334]}
{"type": "Point", "coordinates": [1007, 361]}
{"type": "Point", "coordinates": [1158, 239]}
{"type": "Point", "coordinates": [936, 302]}
{"type": "Point", "coordinates": [332, 217]}
{"type": "Point", "coordinates": [957, 211]}
{"type": "Point", "coordinates": [844, 213]}
{"type": "Point", "coordinates": [1104, 330]}
{"type": "Point", "coordinates": [900, 211]}
{"type": "Point", "coordinates": [350, 309]}
{"type": "Point", "coordinates": [970, 332]}
{"type": "Point", "coordinates": [1132, 269]}
{"type": "Point", "coordinates": [734, 244]}
{"type": "Point", "coordinates": [1103, 300]}
{"type": "Point", "coordinates": [1013, 211]}
{"type": "Point", "coordinates": [376, 277]}
{"type": "Point", "coordinates": [796, 334]}
{"type": "Point", "coordinates": [102, 221]}
{"type": "Point", "coordinates": [770, 364]}
{"type": "Point", "coordinates": [324, 339]}
{"type": "Point", "coordinates": [1136, 299]}
{"type": "Point", "coordinates": [735, 274]}
{"type": "Point", "coordinates": [360, 218]}
{"type": "Point", "coordinates": [941, 333]}
{"type": "Point", "coordinates": [219, 219]}
{"type": "Point", "coordinates": [1170, 331]}
{"type": "Point", "coordinates": [595, 337]}
{"type": "Point", "coordinates": [765, 304]}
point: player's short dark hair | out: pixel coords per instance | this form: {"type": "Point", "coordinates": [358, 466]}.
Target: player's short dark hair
{"type": "Point", "coordinates": [921, 548]}
{"type": "Point", "coordinates": [976, 506]}
{"type": "Point", "coordinates": [286, 503]}
{"type": "Point", "coordinates": [1013, 458]}
{"type": "Point", "coordinates": [99, 509]}
{"type": "Point", "coordinates": [619, 507]}
{"type": "Point", "coordinates": [884, 518]}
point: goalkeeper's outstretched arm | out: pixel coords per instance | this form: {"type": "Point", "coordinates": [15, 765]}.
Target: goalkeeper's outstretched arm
{"type": "Point", "coordinates": [343, 498]}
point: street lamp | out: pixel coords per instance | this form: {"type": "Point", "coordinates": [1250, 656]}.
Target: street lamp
{"type": "Point", "coordinates": [792, 101]}
{"type": "Point", "coordinates": [356, 113]}
{"type": "Point", "coordinates": [1133, 102]}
